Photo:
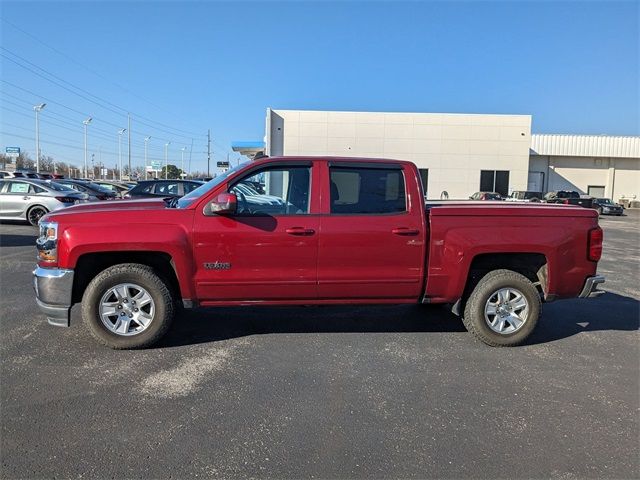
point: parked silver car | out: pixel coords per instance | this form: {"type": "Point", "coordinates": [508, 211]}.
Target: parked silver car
{"type": "Point", "coordinates": [28, 199]}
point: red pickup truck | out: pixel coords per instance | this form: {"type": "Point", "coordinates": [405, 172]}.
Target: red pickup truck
{"type": "Point", "coordinates": [300, 231]}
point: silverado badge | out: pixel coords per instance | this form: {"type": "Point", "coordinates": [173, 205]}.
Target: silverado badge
{"type": "Point", "coordinates": [217, 265]}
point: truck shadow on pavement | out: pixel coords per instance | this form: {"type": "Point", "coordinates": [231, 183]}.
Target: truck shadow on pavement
{"type": "Point", "coordinates": [560, 320]}
{"type": "Point", "coordinates": [17, 241]}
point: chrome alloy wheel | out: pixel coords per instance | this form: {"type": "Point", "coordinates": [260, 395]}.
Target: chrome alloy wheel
{"type": "Point", "coordinates": [506, 311]}
{"type": "Point", "coordinates": [127, 309]}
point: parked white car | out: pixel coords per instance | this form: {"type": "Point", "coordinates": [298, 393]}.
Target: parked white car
{"type": "Point", "coordinates": [28, 199]}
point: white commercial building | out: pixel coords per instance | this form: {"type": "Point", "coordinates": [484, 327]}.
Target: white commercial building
{"type": "Point", "coordinates": [459, 154]}
{"type": "Point", "coordinates": [596, 165]}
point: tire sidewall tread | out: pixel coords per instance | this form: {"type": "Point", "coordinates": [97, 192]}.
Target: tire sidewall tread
{"type": "Point", "coordinates": [473, 317]}
{"type": "Point", "coordinates": [31, 210]}
{"type": "Point", "coordinates": [142, 275]}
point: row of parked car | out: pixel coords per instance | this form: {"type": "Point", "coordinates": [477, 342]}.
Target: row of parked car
{"type": "Point", "coordinates": [604, 206]}
{"type": "Point", "coordinates": [29, 195]}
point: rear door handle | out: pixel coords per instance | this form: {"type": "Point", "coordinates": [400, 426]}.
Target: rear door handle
{"type": "Point", "coordinates": [26, 198]}
{"type": "Point", "coordinates": [405, 231]}
{"type": "Point", "coordinates": [300, 231]}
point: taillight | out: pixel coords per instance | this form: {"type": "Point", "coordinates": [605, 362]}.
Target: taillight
{"type": "Point", "coordinates": [66, 199]}
{"type": "Point", "coordinates": [595, 244]}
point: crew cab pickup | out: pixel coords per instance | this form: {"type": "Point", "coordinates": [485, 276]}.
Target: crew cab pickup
{"type": "Point", "coordinates": [566, 197]}
{"type": "Point", "coordinates": [306, 230]}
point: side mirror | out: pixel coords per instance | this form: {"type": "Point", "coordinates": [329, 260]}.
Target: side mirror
{"type": "Point", "coordinates": [223, 204]}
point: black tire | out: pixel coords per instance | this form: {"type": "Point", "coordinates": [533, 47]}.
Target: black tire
{"type": "Point", "coordinates": [35, 213]}
{"type": "Point", "coordinates": [474, 313]}
{"type": "Point", "coordinates": [137, 274]}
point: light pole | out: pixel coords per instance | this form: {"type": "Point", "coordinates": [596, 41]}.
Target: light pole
{"type": "Point", "coordinates": [37, 109]}
{"type": "Point", "coordinates": [146, 140]}
{"type": "Point", "coordinates": [93, 168]}
{"type": "Point", "coordinates": [182, 175]}
{"type": "Point", "coordinates": [120, 133]}
{"type": "Point", "coordinates": [85, 123]}
{"type": "Point", "coordinates": [166, 160]}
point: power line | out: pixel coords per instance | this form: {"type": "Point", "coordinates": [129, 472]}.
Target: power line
{"type": "Point", "coordinates": [88, 69]}
{"type": "Point", "coordinates": [99, 101]}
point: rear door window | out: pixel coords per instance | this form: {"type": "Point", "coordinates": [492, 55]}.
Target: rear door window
{"type": "Point", "coordinates": [190, 187]}
{"type": "Point", "coordinates": [20, 187]}
{"type": "Point", "coordinates": [362, 190]}
{"type": "Point", "coordinates": [169, 188]}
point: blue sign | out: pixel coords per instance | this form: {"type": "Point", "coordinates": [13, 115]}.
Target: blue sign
{"type": "Point", "coordinates": [15, 150]}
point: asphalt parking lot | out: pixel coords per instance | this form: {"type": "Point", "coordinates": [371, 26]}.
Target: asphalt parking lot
{"type": "Point", "coordinates": [330, 392]}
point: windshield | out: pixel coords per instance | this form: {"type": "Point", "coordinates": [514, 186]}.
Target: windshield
{"type": "Point", "coordinates": [606, 201]}
{"type": "Point", "coordinates": [189, 198]}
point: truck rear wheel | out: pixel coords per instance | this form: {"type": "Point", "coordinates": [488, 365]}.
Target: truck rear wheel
{"type": "Point", "coordinates": [127, 306]}
{"type": "Point", "coordinates": [503, 309]}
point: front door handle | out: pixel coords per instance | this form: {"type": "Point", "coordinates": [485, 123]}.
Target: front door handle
{"type": "Point", "coordinates": [300, 231]}
{"type": "Point", "coordinates": [405, 231]}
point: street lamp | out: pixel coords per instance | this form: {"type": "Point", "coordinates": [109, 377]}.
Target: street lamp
{"type": "Point", "coordinates": [37, 109]}
{"type": "Point", "coordinates": [166, 159]}
{"type": "Point", "coordinates": [120, 133]}
{"type": "Point", "coordinates": [146, 140]}
{"type": "Point", "coordinates": [85, 123]}
{"type": "Point", "coordinates": [182, 166]}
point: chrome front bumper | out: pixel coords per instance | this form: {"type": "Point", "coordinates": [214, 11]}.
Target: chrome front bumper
{"type": "Point", "coordinates": [590, 288]}
{"type": "Point", "coordinates": [53, 288]}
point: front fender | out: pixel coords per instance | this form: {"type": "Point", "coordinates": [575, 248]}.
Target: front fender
{"type": "Point", "coordinates": [173, 239]}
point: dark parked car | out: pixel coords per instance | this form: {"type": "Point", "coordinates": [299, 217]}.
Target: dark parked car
{"type": "Point", "coordinates": [120, 189]}
{"type": "Point", "coordinates": [605, 206]}
{"type": "Point", "coordinates": [95, 192]}
{"type": "Point", "coordinates": [162, 188]}
{"type": "Point", "coordinates": [567, 197]}
{"type": "Point", "coordinates": [486, 196]}
{"type": "Point", "coordinates": [525, 196]}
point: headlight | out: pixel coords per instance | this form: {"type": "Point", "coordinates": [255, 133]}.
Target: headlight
{"type": "Point", "coordinates": [47, 242]}
{"type": "Point", "coordinates": [48, 231]}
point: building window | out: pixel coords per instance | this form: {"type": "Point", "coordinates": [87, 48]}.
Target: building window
{"type": "Point", "coordinates": [424, 176]}
{"type": "Point", "coordinates": [596, 191]}
{"type": "Point", "coordinates": [495, 181]}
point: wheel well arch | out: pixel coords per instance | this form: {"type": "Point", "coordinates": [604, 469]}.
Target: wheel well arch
{"type": "Point", "coordinates": [531, 265]}
{"type": "Point", "coordinates": [91, 264]}
{"type": "Point", "coordinates": [31, 207]}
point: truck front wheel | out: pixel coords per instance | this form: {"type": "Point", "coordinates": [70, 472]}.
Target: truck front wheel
{"type": "Point", "coordinates": [127, 306]}
{"type": "Point", "coordinates": [503, 309]}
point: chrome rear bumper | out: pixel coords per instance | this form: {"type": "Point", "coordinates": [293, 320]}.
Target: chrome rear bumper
{"type": "Point", "coordinates": [590, 289]}
{"type": "Point", "coordinates": [53, 288]}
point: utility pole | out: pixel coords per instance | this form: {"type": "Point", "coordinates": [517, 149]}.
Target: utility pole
{"type": "Point", "coordinates": [146, 140]}
{"type": "Point", "coordinates": [37, 109]}
{"type": "Point", "coordinates": [209, 153]}
{"type": "Point", "coordinates": [182, 175]}
{"type": "Point", "coordinates": [85, 123]}
{"type": "Point", "coordinates": [129, 149]}
{"type": "Point", "coordinates": [120, 133]}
